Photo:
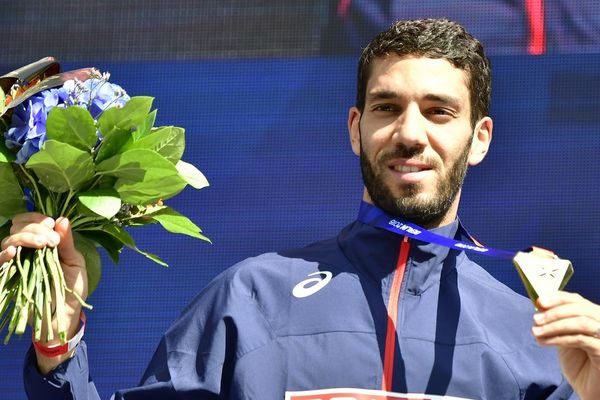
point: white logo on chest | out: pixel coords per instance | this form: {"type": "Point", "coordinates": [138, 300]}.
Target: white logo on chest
{"type": "Point", "coordinates": [311, 286]}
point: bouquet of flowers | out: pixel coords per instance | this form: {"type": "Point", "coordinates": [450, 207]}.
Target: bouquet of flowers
{"type": "Point", "coordinates": [77, 146]}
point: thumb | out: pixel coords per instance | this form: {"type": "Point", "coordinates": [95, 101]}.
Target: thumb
{"type": "Point", "coordinates": [66, 248]}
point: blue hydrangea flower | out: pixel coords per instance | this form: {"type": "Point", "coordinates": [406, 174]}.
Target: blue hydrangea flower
{"type": "Point", "coordinates": [94, 94]}
{"type": "Point", "coordinates": [27, 131]}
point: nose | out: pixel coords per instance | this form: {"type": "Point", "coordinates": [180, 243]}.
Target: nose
{"type": "Point", "coordinates": [410, 129]}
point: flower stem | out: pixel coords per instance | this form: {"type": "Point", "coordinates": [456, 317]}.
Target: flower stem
{"type": "Point", "coordinates": [67, 214]}
{"type": "Point", "coordinates": [59, 294]}
{"type": "Point", "coordinates": [66, 203]}
{"type": "Point", "coordinates": [47, 304]}
{"type": "Point", "coordinates": [35, 189]}
{"type": "Point", "coordinates": [79, 223]}
{"type": "Point", "coordinates": [39, 298]}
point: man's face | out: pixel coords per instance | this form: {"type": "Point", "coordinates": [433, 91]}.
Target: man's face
{"type": "Point", "coordinates": [414, 138]}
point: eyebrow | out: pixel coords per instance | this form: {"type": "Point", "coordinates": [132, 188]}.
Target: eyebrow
{"type": "Point", "coordinates": [444, 98]}
{"type": "Point", "coordinates": [383, 95]}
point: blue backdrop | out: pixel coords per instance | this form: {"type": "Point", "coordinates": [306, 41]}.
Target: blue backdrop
{"type": "Point", "coordinates": [270, 135]}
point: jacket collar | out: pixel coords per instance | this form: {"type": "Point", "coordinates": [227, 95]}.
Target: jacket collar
{"type": "Point", "coordinates": [374, 252]}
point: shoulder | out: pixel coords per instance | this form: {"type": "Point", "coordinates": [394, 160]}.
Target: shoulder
{"type": "Point", "coordinates": [270, 278]}
{"type": "Point", "coordinates": [279, 271]}
{"type": "Point", "coordinates": [289, 290]}
{"type": "Point", "coordinates": [495, 314]}
{"type": "Point", "coordinates": [506, 316]}
{"type": "Point", "coordinates": [476, 276]}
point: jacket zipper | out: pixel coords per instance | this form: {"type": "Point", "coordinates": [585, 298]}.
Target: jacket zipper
{"type": "Point", "coordinates": [392, 310]}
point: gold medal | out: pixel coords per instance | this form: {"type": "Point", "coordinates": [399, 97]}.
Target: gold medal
{"type": "Point", "coordinates": [542, 272]}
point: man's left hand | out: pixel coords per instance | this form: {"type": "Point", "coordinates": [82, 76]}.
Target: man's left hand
{"type": "Point", "coordinates": [572, 323]}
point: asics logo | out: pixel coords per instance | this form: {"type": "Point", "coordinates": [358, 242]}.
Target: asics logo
{"type": "Point", "coordinates": [311, 286]}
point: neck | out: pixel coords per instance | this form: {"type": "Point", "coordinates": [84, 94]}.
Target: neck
{"type": "Point", "coordinates": [447, 218]}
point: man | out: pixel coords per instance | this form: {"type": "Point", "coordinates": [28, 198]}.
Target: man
{"type": "Point", "coordinates": [369, 314]}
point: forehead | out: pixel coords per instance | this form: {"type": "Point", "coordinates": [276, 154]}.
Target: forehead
{"type": "Point", "coordinates": [416, 74]}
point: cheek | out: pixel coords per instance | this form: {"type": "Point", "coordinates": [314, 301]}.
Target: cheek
{"type": "Point", "coordinates": [372, 145]}
{"type": "Point", "coordinates": [449, 146]}
{"type": "Point", "coordinates": [361, 142]}
{"type": "Point", "coordinates": [375, 140]}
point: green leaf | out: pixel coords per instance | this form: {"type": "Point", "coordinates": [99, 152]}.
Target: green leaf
{"type": "Point", "coordinates": [116, 124]}
{"type": "Point", "coordinates": [143, 215]}
{"type": "Point", "coordinates": [144, 128]}
{"type": "Point", "coordinates": [93, 264]}
{"type": "Point", "coordinates": [191, 175]}
{"type": "Point", "coordinates": [72, 125]}
{"type": "Point", "coordinates": [104, 202]}
{"type": "Point", "coordinates": [4, 230]}
{"type": "Point", "coordinates": [83, 211]}
{"type": "Point", "coordinates": [144, 176]}
{"type": "Point", "coordinates": [174, 222]}
{"type": "Point", "coordinates": [111, 245]}
{"type": "Point", "coordinates": [6, 155]}
{"type": "Point", "coordinates": [133, 114]}
{"type": "Point", "coordinates": [156, 187]}
{"type": "Point", "coordinates": [49, 207]}
{"type": "Point", "coordinates": [152, 257]}
{"type": "Point", "coordinates": [12, 200]}
{"type": "Point", "coordinates": [61, 167]}
{"type": "Point", "coordinates": [121, 235]}
{"type": "Point", "coordinates": [168, 141]}
{"type": "Point", "coordinates": [112, 143]}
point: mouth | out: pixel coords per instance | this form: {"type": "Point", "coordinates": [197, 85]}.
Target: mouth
{"type": "Point", "coordinates": [409, 171]}
{"type": "Point", "coordinates": [407, 168]}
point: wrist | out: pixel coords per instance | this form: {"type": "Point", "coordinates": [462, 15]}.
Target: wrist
{"type": "Point", "coordinates": [51, 355]}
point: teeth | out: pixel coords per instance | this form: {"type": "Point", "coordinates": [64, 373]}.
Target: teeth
{"type": "Point", "coordinates": [406, 168]}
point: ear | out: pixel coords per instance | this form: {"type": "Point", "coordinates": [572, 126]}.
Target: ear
{"type": "Point", "coordinates": [482, 137]}
{"type": "Point", "coordinates": [354, 129]}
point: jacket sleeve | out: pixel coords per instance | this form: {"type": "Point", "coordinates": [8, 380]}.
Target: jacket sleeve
{"type": "Point", "coordinates": [196, 357]}
{"type": "Point", "coordinates": [177, 361]}
{"type": "Point", "coordinates": [69, 381]}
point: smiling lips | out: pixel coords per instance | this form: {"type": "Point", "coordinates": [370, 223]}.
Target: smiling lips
{"type": "Point", "coordinates": [406, 168]}
{"type": "Point", "coordinates": [410, 166]}
{"type": "Point", "coordinates": [410, 171]}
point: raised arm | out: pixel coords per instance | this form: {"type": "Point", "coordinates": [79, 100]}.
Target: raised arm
{"type": "Point", "coordinates": [37, 231]}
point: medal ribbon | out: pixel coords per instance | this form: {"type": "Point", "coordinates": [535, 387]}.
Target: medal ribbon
{"type": "Point", "coordinates": [371, 215]}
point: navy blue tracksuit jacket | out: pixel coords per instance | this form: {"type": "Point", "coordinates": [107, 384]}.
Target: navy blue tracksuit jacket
{"type": "Point", "coordinates": [366, 315]}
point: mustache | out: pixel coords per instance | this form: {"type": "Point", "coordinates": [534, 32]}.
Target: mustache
{"type": "Point", "coordinates": [412, 153]}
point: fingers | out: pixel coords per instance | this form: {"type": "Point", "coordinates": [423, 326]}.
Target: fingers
{"type": "Point", "coordinates": [567, 320]}
{"type": "Point", "coordinates": [577, 325]}
{"type": "Point", "coordinates": [31, 230]}
{"type": "Point", "coordinates": [29, 218]}
{"type": "Point", "coordinates": [36, 230]}
{"type": "Point", "coordinates": [558, 298]}
{"type": "Point", "coordinates": [589, 344]}
{"type": "Point", "coordinates": [564, 305]}
{"type": "Point", "coordinates": [7, 254]}
{"type": "Point", "coordinates": [66, 247]}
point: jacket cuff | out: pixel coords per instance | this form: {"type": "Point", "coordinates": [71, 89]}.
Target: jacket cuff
{"type": "Point", "coordinates": [63, 382]}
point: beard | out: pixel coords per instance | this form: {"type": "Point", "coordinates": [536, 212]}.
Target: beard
{"type": "Point", "coordinates": [413, 205]}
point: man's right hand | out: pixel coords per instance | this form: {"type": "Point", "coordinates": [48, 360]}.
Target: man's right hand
{"type": "Point", "coordinates": [35, 230]}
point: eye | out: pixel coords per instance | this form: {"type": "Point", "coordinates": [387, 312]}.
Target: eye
{"type": "Point", "coordinates": [385, 108]}
{"type": "Point", "coordinates": [441, 114]}
{"type": "Point", "coordinates": [440, 111]}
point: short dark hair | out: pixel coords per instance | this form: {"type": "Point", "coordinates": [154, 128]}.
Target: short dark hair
{"type": "Point", "coordinates": [432, 38]}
